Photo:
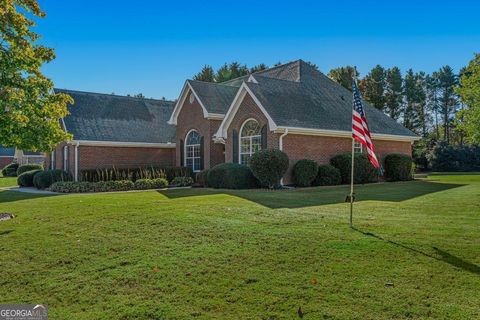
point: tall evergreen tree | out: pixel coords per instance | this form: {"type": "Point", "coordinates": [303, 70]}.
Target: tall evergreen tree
{"type": "Point", "coordinates": [343, 76]}
{"type": "Point", "coordinates": [420, 103]}
{"type": "Point", "coordinates": [373, 87]}
{"type": "Point", "coordinates": [393, 92]}
{"type": "Point", "coordinates": [258, 67]}
{"type": "Point", "coordinates": [410, 119]}
{"type": "Point", "coordinates": [431, 95]}
{"type": "Point", "coordinates": [446, 83]}
{"type": "Point", "coordinates": [207, 74]}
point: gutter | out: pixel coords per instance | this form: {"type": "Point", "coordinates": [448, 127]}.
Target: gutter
{"type": "Point", "coordinates": [76, 160]}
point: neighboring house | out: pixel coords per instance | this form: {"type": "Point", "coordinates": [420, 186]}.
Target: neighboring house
{"type": "Point", "coordinates": [6, 156]}
{"type": "Point", "coordinates": [114, 131]}
{"type": "Point", "coordinates": [9, 155]}
{"type": "Point", "coordinates": [292, 107]}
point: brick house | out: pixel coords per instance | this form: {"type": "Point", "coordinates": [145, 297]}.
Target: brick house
{"type": "Point", "coordinates": [292, 107]}
{"type": "Point", "coordinates": [12, 154]}
{"type": "Point", "coordinates": [114, 131]}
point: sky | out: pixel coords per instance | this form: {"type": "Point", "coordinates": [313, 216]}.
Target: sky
{"type": "Point", "coordinates": [152, 47]}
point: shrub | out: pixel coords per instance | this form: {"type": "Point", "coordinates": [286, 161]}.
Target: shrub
{"type": "Point", "coordinates": [182, 181]}
{"type": "Point", "coordinates": [26, 178]}
{"type": "Point", "coordinates": [445, 157]}
{"type": "Point", "coordinates": [106, 186]}
{"type": "Point", "coordinates": [398, 167]}
{"type": "Point", "coordinates": [269, 166]}
{"type": "Point", "coordinates": [364, 171]}
{"type": "Point", "coordinates": [28, 167]}
{"type": "Point", "coordinates": [46, 178]}
{"type": "Point", "coordinates": [201, 178]}
{"type": "Point", "coordinates": [327, 175]}
{"type": "Point", "coordinates": [304, 172]}
{"type": "Point", "coordinates": [72, 186]}
{"type": "Point", "coordinates": [231, 176]}
{"type": "Point", "coordinates": [143, 184]}
{"type": "Point", "coordinates": [133, 174]}
{"type": "Point", "coordinates": [10, 170]}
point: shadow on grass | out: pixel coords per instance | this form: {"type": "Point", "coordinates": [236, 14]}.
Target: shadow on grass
{"type": "Point", "coordinates": [442, 256]}
{"type": "Point", "coordinates": [306, 197]}
{"type": "Point", "coordinates": [12, 196]}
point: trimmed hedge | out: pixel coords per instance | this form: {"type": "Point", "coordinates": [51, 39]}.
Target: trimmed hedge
{"type": "Point", "coordinates": [182, 181]}
{"type": "Point", "coordinates": [304, 172]}
{"type": "Point", "coordinates": [364, 171]}
{"type": "Point", "coordinates": [143, 184]}
{"type": "Point", "coordinates": [28, 167]}
{"type": "Point", "coordinates": [398, 167]}
{"type": "Point", "coordinates": [327, 175]}
{"type": "Point", "coordinates": [231, 176]}
{"type": "Point", "coordinates": [446, 157]}
{"type": "Point", "coordinates": [45, 179]}
{"type": "Point", "coordinates": [133, 174]}
{"type": "Point", "coordinates": [10, 170]}
{"type": "Point", "coordinates": [201, 178]}
{"type": "Point", "coordinates": [26, 178]}
{"type": "Point", "coordinates": [107, 186]}
{"type": "Point", "coordinates": [269, 166]}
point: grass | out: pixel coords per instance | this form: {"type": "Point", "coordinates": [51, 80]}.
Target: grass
{"type": "Point", "coordinates": [202, 253]}
{"type": "Point", "coordinates": [7, 181]}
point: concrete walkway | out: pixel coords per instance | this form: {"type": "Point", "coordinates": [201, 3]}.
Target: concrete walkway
{"type": "Point", "coordinates": [29, 190]}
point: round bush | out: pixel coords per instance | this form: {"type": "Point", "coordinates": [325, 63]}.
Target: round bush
{"type": "Point", "coordinates": [269, 166]}
{"type": "Point", "coordinates": [398, 167]}
{"type": "Point", "coordinates": [182, 181]}
{"type": "Point", "coordinates": [231, 176]}
{"type": "Point", "coordinates": [201, 178]}
{"type": "Point", "coordinates": [45, 179]}
{"type": "Point", "coordinates": [327, 176]}
{"type": "Point", "coordinates": [364, 171]}
{"type": "Point", "coordinates": [28, 167]}
{"type": "Point", "coordinates": [26, 178]}
{"type": "Point", "coordinates": [10, 170]}
{"type": "Point", "coordinates": [304, 172]}
{"type": "Point", "coordinates": [143, 184]}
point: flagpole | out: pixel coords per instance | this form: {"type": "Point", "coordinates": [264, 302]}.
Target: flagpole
{"type": "Point", "coordinates": [353, 162]}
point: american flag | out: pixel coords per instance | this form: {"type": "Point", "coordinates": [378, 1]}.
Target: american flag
{"type": "Point", "coordinates": [360, 130]}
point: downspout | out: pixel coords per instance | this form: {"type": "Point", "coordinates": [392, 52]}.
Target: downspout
{"type": "Point", "coordinates": [280, 146]}
{"type": "Point", "coordinates": [76, 160]}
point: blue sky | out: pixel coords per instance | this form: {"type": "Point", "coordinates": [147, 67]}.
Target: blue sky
{"type": "Point", "coordinates": [151, 47]}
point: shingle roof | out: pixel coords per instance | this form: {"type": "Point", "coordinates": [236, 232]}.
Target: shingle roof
{"type": "Point", "coordinates": [7, 152]}
{"type": "Point", "coordinates": [106, 117]}
{"type": "Point", "coordinates": [216, 97]}
{"type": "Point", "coordinates": [298, 95]}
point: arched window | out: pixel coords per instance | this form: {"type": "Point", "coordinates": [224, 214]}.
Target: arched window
{"type": "Point", "coordinates": [250, 140]}
{"type": "Point", "coordinates": [192, 150]}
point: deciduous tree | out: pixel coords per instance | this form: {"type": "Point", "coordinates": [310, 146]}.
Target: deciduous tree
{"type": "Point", "coordinates": [29, 109]}
{"type": "Point", "coordinates": [343, 76]}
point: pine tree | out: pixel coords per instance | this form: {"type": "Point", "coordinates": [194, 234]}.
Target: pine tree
{"type": "Point", "coordinates": [205, 75]}
{"type": "Point", "coordinates": [446, 83]}
{"type": "Point", "coordinates": [393, 92]}
{"type": "Point", "coordinates": [373, 87]}
{"type": "Point", "coordinates": [420, 103]}
{"type": "Point", "coordinates": [410, 119]}
{"type": "Point", "coordinates": [431, 94]}
{"type": "Point", "coordinates": [258, 67]}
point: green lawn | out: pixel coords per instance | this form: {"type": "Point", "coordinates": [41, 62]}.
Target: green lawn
{"type": "Point", "coordinates": [7, 181]}
{"type": "Point", "coordinates": [201, 253]}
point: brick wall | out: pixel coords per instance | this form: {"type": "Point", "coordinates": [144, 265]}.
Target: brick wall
{"type": "Point", "coordinates": [248, 109]}
{"type": "Point", "coordinates": [4, 161]}
{"type": "Point", "coordinates": [93, 157]}
{"type": "Point", "coordinates": [191, 117]}
{"type": "Point", "coordinates": [322, 149]}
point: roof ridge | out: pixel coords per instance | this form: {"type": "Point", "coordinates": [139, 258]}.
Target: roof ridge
{"type": "Point", "coordinates": [276, 79]}
{"type": "Point", "coordinates": [215, 83]}
{"type": "Point", "coordinates": [112, 95]}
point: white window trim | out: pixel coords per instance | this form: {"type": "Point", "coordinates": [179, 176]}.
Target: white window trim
{"type": "Point", "coordinates": [240, 140]}
{"type": "Point", "coordinates": [357, 145]}
{"type": "Point", "coordinates": [185, 150]}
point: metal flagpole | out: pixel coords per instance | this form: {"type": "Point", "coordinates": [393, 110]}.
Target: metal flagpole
{"type": "Point", "coordinates": [353, 161]}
